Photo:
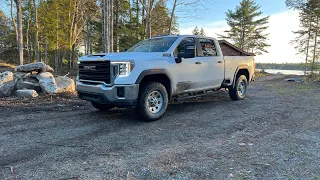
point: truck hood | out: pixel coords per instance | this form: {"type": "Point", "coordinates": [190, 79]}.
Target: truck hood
{"type": "Point", "coordinates": [123, 56]}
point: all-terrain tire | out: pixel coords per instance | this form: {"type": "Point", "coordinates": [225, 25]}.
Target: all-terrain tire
{"type": "Point", "coordinates": [153, 101]}
{"type": "Point", "coordinates": [238, 91]}
{"type": "Point", "coordinates": [102, 107]}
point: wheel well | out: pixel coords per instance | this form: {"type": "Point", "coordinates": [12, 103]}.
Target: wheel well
{"type": "Point", "coordinates": [161, 78]}
{"type": "Point", "coordinates": [244, 72]}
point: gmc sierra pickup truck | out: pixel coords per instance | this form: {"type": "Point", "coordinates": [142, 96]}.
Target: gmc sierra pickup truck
{"type": "Point", "coordinates": [154, 71]}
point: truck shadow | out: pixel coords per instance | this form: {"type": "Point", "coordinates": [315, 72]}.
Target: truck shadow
{"type": "Point", "coordinates": [182, 106]}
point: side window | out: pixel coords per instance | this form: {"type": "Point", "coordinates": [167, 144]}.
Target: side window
{"type": "Point", "coordinates": [180, 48]}
{"type": "Point", "coordinates": [208, 47]}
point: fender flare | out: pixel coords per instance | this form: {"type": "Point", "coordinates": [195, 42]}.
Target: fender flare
{"type": "Point", "coordinates": [152, 72]}
{"type": "Point", "coordinates": [240, 67]}
{"type": "Point", "coordinates": [155, 72]}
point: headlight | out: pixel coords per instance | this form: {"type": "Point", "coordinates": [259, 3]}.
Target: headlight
{"type": "Point", "coordinates": [124, 68]}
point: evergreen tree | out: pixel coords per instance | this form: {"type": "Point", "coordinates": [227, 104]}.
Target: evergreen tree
{"type": "Point", "coordinates": [307, 40]}
{"type": "Point", "coordinates": [247, 28]}
{"type": "Point", "coordinates": [160, 20]}
{"type": "Point", "coordinates": [196, 31]}
{"type": "Point", "coordinates": [202, 32]}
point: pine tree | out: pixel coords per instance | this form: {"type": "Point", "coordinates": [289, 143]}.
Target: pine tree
{"type": "Point", "coordinates": [196, 31]}
{"type": "Point", "coordinates": [202, 32]}
{"type": "Point", "coordinates": [307, 40]}
{"type": "Point", "coordinates": [160, 20]}
{"type": "Point", "coordinates": [247, 28]}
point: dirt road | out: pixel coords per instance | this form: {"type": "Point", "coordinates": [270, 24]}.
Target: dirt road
{"type": "Point", "coordinates": [273, 134]}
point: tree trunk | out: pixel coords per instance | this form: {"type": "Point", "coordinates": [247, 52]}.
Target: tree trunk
{"type": "Point", "coordinates": [37, 31]}
{"type": "Point", "coordinates": [111, 25]}
{"type": "Point", "coordinates": [149, 18]}
{"type": "Point", "coordinates": [88, 34]}
{"type": "Point", "coordinates": [107, 26]}
{"type": "Point", "coordinates": [19, 31]}
{"type": "Point", "coordinates": [57, 43]}
{"type": "Point", "coordinates": [15, 26]}
{"type": "Point", "coordinates": [45, 42]}
{"type": "Point", "coordinates": [27, 35]}
{"type": "Point", "coordinates": [315, 44]}
{"type": "Point", "coordinates": [73, 56]}
{"type": "Point", "coordinates": [103, 22]}
{"type": "Point", "coordinates": [143, 19]}
{"type": "Point", "coordinates": [172, 16]}
{"type": "Point", "coordinates": [308, 44]}
{"type": "Point", "coordinates": [116, 34]}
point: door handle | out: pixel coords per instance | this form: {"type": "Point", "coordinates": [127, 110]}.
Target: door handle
{"type": "Point", "coordinates": [198, 62]}
{"type": "Point", "coordinates": [219, 62]}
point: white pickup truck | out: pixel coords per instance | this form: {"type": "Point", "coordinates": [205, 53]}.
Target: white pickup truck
{"type": "Point", "coordinates": [163, 68]}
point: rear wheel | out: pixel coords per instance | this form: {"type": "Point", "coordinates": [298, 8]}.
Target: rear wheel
{"type": "Point", "coordinates": [239, 90]}
{"type": "Point", "coordinates": [153, 101]}
{"type": "Point", "coordinates": [102, 107]}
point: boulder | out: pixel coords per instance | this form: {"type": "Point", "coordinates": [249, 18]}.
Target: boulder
{"type": "Point", "coordinates": [38, 66]}
{"type": "Point", "coordinates": [6, 77]}
{"type": "Point", "coordinates": [20, 75]}
{"type": "Point", "coordinates": [7, 84]}
{"type": "Point", "coordinates": [26, 93]}
{"type": "Point", "coordinates": [65, 84]}
{"type": "Point", "coordinates": [28, 83]}
{"type": "Point", "coordinates": [47, 83]}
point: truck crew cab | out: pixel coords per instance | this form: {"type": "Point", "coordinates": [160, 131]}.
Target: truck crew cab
{"type": "Point", "coordinates": [159, 69]}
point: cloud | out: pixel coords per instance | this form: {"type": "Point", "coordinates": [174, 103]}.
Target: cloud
{"type": "Point", "coordinates": [280, 28]}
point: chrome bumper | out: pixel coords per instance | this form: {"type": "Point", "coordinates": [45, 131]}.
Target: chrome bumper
{"type": "Point", "coordinates": [108, 95]}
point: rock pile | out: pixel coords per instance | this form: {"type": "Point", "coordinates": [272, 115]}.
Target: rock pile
{"type": "Point", "coordinates": [32, 79]}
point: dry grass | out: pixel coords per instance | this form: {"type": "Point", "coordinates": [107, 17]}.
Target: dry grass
{"type": "Point", "coordinates": [3, 64]}
{"type": "Point", "coordinates": [260, 73]}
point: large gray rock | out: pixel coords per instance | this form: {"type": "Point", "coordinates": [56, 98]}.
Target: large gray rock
{"type": "Point", "coordinates": [47, 83]}
{"type": "Point", "coordinates": [7, 84]}
{"type": "Point", "coordinates": [28, 83]}
{"type": "Point", "coordinates": [65, 84]}
{"type": "Point", "coordinates": [20, 75]}
{"type": "Point", "coordinates": [26, 93]}
{"type": "Point", "coordinates": [38, 66]}
{"type": "Point", "coordinates": [6, 77]}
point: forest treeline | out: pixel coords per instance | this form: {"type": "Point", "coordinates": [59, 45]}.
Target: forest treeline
{"type": "Point", "coordinates": [58, 32]}
{"type": "Point", "coordinates": [285, 66]}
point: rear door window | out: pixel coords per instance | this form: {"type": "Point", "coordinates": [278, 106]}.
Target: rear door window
{"type": "Point", "coordinates": [208, 47]}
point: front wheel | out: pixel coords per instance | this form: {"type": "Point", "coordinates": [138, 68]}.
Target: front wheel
{"type": "Point", "coordinates": [102, 107]}
{"type": "Point", "coordinates": [153, 101]}
{"type": "Point", "coordinates": [239, 90]}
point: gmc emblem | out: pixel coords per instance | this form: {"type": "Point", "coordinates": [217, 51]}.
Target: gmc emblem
{"type": "Point", "coordinates": [89, 67]}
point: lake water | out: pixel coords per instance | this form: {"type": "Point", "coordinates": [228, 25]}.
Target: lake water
{"type": "Point", "coordinates": [286, 72]}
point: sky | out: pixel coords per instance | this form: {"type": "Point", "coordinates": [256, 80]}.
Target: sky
{"type": "Point", "coordinates": [282, 22]}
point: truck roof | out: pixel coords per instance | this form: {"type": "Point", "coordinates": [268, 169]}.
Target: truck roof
{"type": "Point", "coordinates": [224, 49]}
{"type": "Point", "coordinates": [182, 36]}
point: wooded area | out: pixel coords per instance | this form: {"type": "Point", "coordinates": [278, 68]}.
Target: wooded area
{"type": "Point", "coordinates": [307, 40]}
{"type": "Point", "coordinates": [57, 32]}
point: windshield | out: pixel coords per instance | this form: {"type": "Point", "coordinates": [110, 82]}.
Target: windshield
{"type": "Point", "coordinates": [161, 44]}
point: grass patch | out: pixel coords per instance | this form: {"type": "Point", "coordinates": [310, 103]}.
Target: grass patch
{"type": "Point", "coordinates": [293, 89]}
{"type": "Point", "coordinates": [260, 73]}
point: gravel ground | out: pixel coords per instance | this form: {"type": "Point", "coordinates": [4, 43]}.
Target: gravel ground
{"type": "Point", "coordinates": [273, 134]}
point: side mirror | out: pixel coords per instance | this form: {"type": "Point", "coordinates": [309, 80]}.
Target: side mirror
{"type": "Point", "coordinates": [189, 52]}
{"type": "Point", "coordinates": [125, 50]}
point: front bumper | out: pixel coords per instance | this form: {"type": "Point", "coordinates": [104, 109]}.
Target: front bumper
{"type": "Point", "coordinates": [121, 95]}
